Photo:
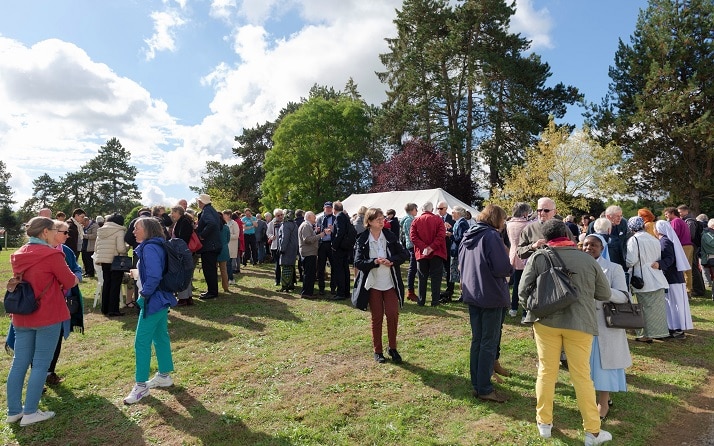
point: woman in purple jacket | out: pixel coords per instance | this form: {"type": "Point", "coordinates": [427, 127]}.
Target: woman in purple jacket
{"type": "Point", "coordinates": [485, 268]}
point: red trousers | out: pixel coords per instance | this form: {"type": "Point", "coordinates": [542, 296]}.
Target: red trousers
{"type": "Point", "coordinates": [383, 303]}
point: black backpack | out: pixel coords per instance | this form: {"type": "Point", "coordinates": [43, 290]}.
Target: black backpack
{"type": "Point", "coordinates": [178, 270]}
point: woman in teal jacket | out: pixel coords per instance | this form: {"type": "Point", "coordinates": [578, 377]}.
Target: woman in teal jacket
{"type": "Point", "coordinates": [152, 327]}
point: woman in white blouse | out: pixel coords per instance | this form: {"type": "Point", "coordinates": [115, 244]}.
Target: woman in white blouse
{"type": "Point", "coordinates": [379, 284]}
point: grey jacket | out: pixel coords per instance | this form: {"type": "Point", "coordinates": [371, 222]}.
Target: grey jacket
{"type": "Point", "coordinates": [288, 242]}
{"type": "Point", "coordinates": [308, 241]}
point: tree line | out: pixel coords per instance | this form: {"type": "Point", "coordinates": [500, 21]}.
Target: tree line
{"type": "Point", "coordinates": [468, 109]}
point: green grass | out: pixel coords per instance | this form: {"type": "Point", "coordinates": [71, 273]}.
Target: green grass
{"type": "Point", "coordinates": [263, 368]}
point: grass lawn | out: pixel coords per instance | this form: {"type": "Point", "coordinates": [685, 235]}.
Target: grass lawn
{"type": "Point", "coordinates": [258, 367]}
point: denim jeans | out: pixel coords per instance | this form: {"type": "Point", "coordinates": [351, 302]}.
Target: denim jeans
{"type": "Point", "coordinates": [34, 346]}
{"type": "Point", "coordinates": [412, 270]}
{"type": "Point", "coordinates": [485, 337]}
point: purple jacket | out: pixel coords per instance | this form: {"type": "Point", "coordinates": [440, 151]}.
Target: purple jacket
{"type": "Point", "coordinates": [484, 266]}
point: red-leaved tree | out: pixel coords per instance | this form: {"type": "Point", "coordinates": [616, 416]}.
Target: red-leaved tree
{"type": "Point", "coordinates": [420, 165]}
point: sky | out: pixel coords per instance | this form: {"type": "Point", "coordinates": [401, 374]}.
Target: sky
{"type": "Point", "coordinates": [176, 80]}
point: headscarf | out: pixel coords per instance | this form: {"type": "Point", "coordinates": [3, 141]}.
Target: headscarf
{"type": "Point", "coordinates": [605, 253]}
{"type": "Point", "coordinates": [636, 224]}
{"type": "Point", "coordinates": [646, 215]}
{"type": "Point", "coordinates": [663, 227]}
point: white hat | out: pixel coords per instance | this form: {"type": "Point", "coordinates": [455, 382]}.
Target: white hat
{"type": "Point", "coordinates": [99, 219]}
{"type": "Point", "coordinates": [204, 198]}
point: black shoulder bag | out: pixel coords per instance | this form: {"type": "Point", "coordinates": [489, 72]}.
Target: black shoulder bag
{"type": "Point", "coordinates": [637, 281]}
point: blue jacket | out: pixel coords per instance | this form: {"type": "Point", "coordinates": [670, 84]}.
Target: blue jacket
{"type": "Point", "coordinates": [152, 261]}
{"type": "Point", "coordinates": [484, 266]}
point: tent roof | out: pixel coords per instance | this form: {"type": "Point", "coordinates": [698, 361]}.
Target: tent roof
{"type": "Point", "coordinates": [398, 199]}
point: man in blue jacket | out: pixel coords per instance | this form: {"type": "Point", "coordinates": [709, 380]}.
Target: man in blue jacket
{"type": "Point", "coordinates": [208, 231]}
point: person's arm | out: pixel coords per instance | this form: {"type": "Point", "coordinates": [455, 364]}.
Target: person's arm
{"type": "Point", "coordinates": [526, 246]}
{"type": "Point", "coordinates": [499, 262]}
{"type": "Point", "coordinates": [121, 245]}
{"type": "Point", "coordinates": [618, 285]}
{"type": "Point", "coordinates": [602, 286]}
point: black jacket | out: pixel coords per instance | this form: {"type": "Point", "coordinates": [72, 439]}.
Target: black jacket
{"type": "Point", "coordinates": [209, 229]}
{"type": "Point", "coordinates": [396, 253]}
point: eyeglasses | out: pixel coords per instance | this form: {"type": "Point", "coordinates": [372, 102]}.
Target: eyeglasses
{"type": "Point", "coordinates": [544, 210]}
{"type": "Point", "coordinates": [63, 232]}
{"type": "Point", "coordinates": [441, 209]}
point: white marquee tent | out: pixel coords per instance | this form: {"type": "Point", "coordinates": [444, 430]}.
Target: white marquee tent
{"type": "Point", "coordinates": [398, 199]}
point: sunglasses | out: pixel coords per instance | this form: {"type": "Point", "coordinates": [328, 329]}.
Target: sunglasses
{"type": "Point", "coordinates": [63, 232]}
{"type": "Point", "coordinates": [544, 210]}
{"type": "Point", "coordinates": [441, 209]}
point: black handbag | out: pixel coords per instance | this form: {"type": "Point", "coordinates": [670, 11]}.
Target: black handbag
{"type": "Point", "coordinates": [626, 315]}
{"type": "Point", "coordinates": [72, 303]}
{"type": "Point", "coordinates": [637, 281]}
{"type": "Point", "coordinates": [121, 263]}
{"type": "Point", "coordinates": [552, 290]}
{"type": "Point", "coordinates": [19, 297]}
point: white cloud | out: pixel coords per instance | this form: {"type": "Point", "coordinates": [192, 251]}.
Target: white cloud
{"type": "Point", "coordinates": [59, 106]}
{"type": "Point", "coordinates": [536, 25]}
{"type": "Point", "coordinates": [164, 38]}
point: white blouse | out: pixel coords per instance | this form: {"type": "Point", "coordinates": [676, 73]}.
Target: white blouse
{"type": "Point", "coordinates": [379, 278]}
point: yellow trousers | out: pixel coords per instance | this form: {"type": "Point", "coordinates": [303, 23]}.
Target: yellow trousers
{"type": "Point", "coordinates": [577, 345]}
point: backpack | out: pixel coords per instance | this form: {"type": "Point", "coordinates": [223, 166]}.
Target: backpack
{"type": "Point", "coordinates": [178, 269]}
{"type": "Point", "coordinates": [698, 231]}
{"type": "Point", "coordinates": [350, 239]}
{"type": "Point", "coordinates": [553, 290]}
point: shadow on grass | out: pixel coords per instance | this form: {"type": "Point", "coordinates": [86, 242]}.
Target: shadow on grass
{"type": "Point", "coordinates": [209, 427]}
{"type": "Point", "coordinates": [87, 419]}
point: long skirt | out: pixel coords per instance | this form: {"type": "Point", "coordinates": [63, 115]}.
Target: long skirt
{"type": "Point", "coordinates": [678, 315]}
{"type": "Point", "coordinates": [654, 308]}
{"type": "Point", "coordinates": [287, 277]}
{"type": "Point", "coordinates": [605, 380]}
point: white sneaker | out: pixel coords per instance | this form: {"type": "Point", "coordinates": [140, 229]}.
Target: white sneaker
{"type": "Point", "coordinates": [36, 417]}
{"type": "Point", "coordinates": [159, 381]}
{"type": "Point", "coordinates": [137, 393]}
{"type": "Point", "coordinates": [513, 313]}
{"type": "Point", "coordinates": [592, 440]}
{"type": "Point", "coordinates": [13, 418]}
{"type": "Point", "coordinates": [544, 429]}
{"type": "Point", "coordinates": [231, 282]}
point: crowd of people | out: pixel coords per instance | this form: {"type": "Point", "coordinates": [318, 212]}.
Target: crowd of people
{"type": "Point", "coordinates": [480, 258]}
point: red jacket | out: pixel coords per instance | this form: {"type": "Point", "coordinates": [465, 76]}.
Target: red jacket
{"type": "Point", "coordinates": [40, 265]}
{"type": "Point", "coordinates": [428, 230]}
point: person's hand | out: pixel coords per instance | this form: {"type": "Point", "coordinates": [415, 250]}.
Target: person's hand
{"type": "Point", "coordinates": [655, 265]}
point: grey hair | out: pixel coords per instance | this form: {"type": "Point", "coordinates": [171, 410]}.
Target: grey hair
{"type": "Point", "coordinates": [459, 210]}
{"type": "Point", "coordinates": [152, 227]}
{"type": "Point", "coordinates": [522, 209]}
{"type": "Point", "coordinates": [427, 207]}
{"type": "Point", "coordinates": [602, 226]}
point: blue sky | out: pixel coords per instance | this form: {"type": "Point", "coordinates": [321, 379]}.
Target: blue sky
{"type": "Point", "coordinates": [176, 80]}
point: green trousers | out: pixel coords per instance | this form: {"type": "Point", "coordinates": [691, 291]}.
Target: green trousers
{"type": "Point", "coordinates": [152, 329]}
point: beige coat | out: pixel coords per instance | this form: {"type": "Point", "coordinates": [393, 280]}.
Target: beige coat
{"type": "Point", "coordinates": [110, 243]}
{"type": "Point", "coordinates": [307, 240]}
{"type": "Point", "coordinates": [614, 350]}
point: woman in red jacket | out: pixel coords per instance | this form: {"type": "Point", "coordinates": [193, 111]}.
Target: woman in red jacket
{"type": "Point", "coordinates": [36, 334]}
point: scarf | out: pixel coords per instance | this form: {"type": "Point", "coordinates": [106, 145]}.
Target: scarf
{"type": "Point", "coordinates": [561, 241]}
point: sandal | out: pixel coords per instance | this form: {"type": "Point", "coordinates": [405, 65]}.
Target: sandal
{"type": "Point", "coordinates": [131, 304]}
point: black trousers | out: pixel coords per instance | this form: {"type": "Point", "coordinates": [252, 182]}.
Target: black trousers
{"type": "Point", "coordinates": [341, 272]}
{"type": "Point", "coordinates": [309, 265]}
{"type": "Point", "coordinates": [111, 289]}
{"type": "Point", "coordinates": [276, 259]}
{"type": "Point", "coordinates": [58, 350]}
{"type": "Point", "coordinates": [209, 263]}
{"type": "Point", "coordinates": [324, 253]}
{"type": "Point", "coordinates": [88, 262]}
{"type": "Point", "coordinates": [251, 249]}
{"type": "Point", "coordinates": [430, 269]}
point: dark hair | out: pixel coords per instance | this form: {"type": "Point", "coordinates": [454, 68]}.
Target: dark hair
{"type": "Point", "coordinates": [553, 229]}
{"type": "Point", "coordinates": [156, 211]}
{"type": "Point", "coordinates": [116, 218]}
{"type": "Point", "coordinates": [337, 206]}
{"type": "Point", "coordinates": [299, 213]}
{"type": "Point", "coordinates": [78, 211]}
{"type": "Point", "coordinates": [152, 227]}
{"type": "Point", "coordinates": [178, 209]}
{"type": "Point", "coordinates": [671, 210]}
{"type": "Point", "coordinates": [371, 215]}
{"type": "Point", "coordinates": [391, 212]}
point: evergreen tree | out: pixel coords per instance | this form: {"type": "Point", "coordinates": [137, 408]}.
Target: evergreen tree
{"type": "Point", "coordinates": [660, 102]}
{"type": "Point", "coordinates": [5, 189]}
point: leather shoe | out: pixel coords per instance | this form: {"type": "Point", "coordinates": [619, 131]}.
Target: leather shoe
{"type": "Point", "coordinates": [396, 357]}
{"type": "Point", "coordinates": [412, 296]}
{"type": "Point", "coordinates": [337, 297]}
{"type": "Point", "coordinates": [115, 314]}
{"type": "Point", "coordinates": [379, 357]}
{"type": "Point", "coordinates": [493, 397]}
{"type": "Point", "coordinates": [208, 295]}
{"type": "Point", "coordinates": [498, 368]}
